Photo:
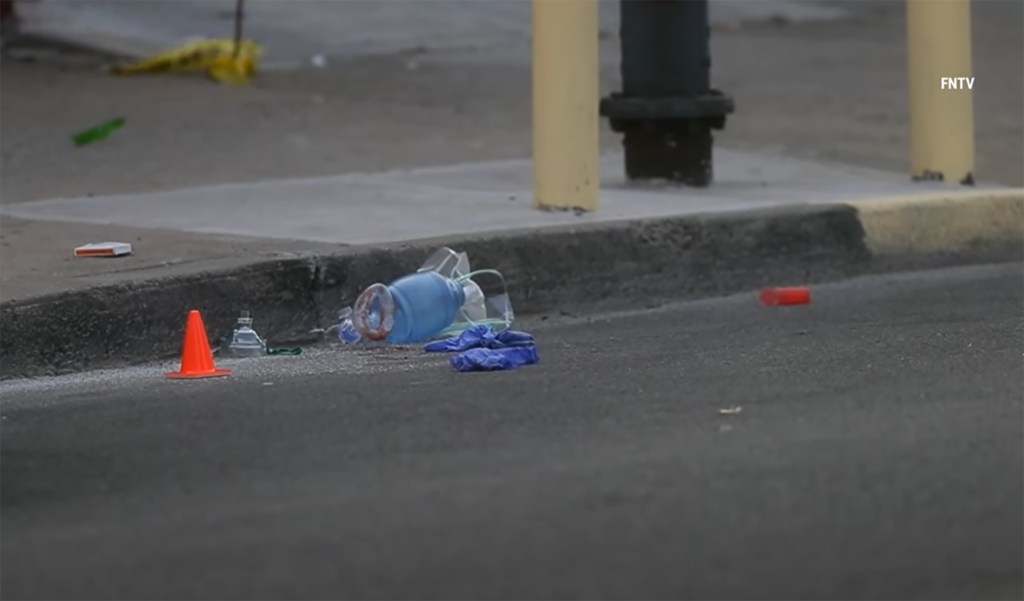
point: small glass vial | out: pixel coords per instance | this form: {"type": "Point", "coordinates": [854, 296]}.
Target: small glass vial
{"type": "Point", "coordinates": [245, 342]}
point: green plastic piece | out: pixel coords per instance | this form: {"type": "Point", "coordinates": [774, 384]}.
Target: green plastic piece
{"type": "Point", "coordinates": [284, 351]}
{"type": "Point", "coordinates": [98, 132]}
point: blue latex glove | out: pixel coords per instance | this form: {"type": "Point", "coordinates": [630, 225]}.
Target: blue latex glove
{"type": "Point", "coordinates": [480, 337]}
{"type": "Point", "coordinates": [481, 359]}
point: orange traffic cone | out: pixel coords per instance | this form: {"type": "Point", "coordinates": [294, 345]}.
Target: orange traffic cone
{"type": "Point", "coordinates": [196, 358]}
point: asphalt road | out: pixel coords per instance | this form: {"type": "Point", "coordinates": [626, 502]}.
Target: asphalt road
{"type": "Point", "coordinates": [878, 454]}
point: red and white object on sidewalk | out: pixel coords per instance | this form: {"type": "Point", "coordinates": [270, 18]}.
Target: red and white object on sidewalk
{"type": "Point", "coordinates": [104, 249]}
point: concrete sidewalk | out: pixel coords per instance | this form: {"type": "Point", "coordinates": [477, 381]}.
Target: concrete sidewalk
{"type": "Point", "coordinates": [296, 251]}
{"type": "Point", "coordinates": [198, 229]}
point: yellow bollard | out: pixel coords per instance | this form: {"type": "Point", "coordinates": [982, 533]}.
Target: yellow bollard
{"type": "Point", "coordinates": [941, 111]}
{"type": "Point", "coordinates": [565, 104]}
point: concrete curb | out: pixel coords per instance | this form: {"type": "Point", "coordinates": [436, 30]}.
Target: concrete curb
{"type": "Point", "coordinates": [951, 222]}
{"type": "Point", "coordinates": [608, 265]}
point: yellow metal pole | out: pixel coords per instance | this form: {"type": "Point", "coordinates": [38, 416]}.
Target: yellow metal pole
{"type": "Point", "coordinates": [565, 104]}
{"type": "Point", "coordinates": [941, 110]}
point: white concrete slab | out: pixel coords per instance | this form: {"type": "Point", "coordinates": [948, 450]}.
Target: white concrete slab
{"type": "Point", "coordinates": [461, 199]}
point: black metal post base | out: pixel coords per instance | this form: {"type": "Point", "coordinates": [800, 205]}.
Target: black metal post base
{"type": "Point", "coordinates": [678, 151]}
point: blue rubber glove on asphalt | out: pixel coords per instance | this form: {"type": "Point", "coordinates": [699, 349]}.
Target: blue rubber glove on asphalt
{"type": "Point", "coordinates": [480, 337]}
{"type": "Point", "coordinates": [482, 359]}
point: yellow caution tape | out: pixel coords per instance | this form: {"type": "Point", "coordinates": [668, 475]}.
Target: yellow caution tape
{"type": "Point", "coordinates": [218, 58]}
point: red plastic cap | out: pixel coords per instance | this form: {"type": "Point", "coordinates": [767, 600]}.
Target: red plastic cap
{"type": "Point", "coordinates": [796, 295]}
